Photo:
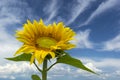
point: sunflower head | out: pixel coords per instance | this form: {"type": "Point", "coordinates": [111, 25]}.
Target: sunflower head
{"type": "Point", "coordinates": [42, 40]}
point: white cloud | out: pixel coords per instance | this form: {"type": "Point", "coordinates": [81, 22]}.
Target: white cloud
{"type": "Point", "coordinates": [103, 7]}
{"type": "Point", "coordinates": [7, 77]}
{"type": "Point", "coordinates": [8, 43]}
{"type": "Point", "coordinates": [87, 74]}
{"type": "Point", "coordinates": [8, 70]}
{"type": "Point", "coordinates": [92, 67]}
{"type": "Point", "coordinates": [82, 39]}
{"type": "Point", "coordinates": [98, 66]}
{"type": "Point", "coordinates": [108, 68]}
{"type": "Point", "coordinates": [103, 63]}
{"type": "Point", "coordinates": [61, 70]}
{"type": "Point", "coordinates": [112, 45]}
{"type": "Point", "coordinates": [117, 72]}
{"type": "Point", "coordinates": [51, 9]}
{"type": "Point", "coordinates": [11, 14]}
{"type": "Point", "coordinates": [78, 8]}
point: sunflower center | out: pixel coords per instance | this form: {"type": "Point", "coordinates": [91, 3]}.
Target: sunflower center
{"type": "Point", "coordinates": [46, 42]}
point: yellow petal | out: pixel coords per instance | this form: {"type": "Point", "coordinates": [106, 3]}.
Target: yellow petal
{"type": "Point", "coordinates": [25, 49]}
{"type": "Point", "coordinates": [19, 50]}
{"type": "Point", "coordinates": [24, 40]}
{"type": "Point", "coordinates": [41, 21]}
{"type": "Point", "coordinates": [52, 54]}
{"type": "Point", "coordinates": [44, 54]}
{"type": "Point", "coordinates": [38, 56]}
{"type": "Point", "coordinates": [40, 61]}
{"type": "Point", "coordinates": [28, 31]}
{"type": "Point", "coordinates": [32, 58]}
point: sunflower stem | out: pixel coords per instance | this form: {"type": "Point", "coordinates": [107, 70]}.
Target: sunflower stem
{"type": "Point", "coordinates": [51, 66]}
{"type": "Point", "coordinates": [37, 67]}
{"type": "Point", "coordinates": [44, 72]}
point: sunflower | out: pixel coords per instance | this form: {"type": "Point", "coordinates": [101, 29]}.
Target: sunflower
{"type": "Point", "coordinates": [41, 40]}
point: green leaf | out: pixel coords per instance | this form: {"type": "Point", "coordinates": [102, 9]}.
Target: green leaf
{"type": "Point", "coordinates": [35, 77]}
{"type": "Point", "coordinates": [67, 59]}
{"type": "Point", "coordinates": [22, 57]}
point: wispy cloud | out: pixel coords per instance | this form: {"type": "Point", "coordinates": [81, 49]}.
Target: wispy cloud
{"type": "Point", "coordinates": [78, 8]}
{"type": "Point", "coordinates": [112, 45]}
{"type": "Point", "coordinates": [82, 39]}
{"type": "Point", "coordinates": [103, 7]}
{"type": "Point", "coordinates": [11, 14]}
{"type": "Point", "coordinates": [51, 9]}
{"type": "Point", "coordinates": [14, 11]}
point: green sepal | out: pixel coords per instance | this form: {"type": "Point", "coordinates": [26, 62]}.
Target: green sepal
{"type": "Point", "coordinates": [22, 57]}
{"type": "Point", "coordinates": [67, 59]}
{"type": "Point", "coordinates": [35, 77]}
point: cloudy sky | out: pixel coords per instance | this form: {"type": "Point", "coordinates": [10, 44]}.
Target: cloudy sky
{"type": "Point", "coordinates": [96, 22]}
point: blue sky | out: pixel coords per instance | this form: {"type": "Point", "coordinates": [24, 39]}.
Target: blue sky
{"type": "Point", "coordinates": [96, 23]}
